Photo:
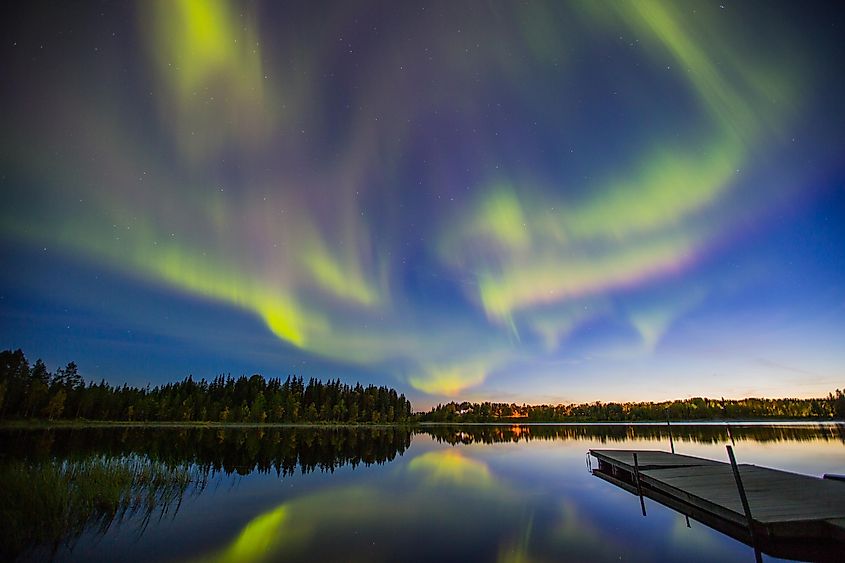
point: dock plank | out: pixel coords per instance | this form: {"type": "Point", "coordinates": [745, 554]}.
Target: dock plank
{"type": "Point", "coordinates": [653, 458]}
{"type": "Point", "coordinates": [772, 495]}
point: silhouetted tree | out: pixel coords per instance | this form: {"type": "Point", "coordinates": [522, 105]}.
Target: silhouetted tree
{"type": "Point", "coordinates": [838, 401]}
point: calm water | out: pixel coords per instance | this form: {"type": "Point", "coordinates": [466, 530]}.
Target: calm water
{"type": "Point", "coordinates": [491, 493]}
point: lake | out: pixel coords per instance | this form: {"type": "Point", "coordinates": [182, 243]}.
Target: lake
{"type": "Point", "coordinates": [435, 493]}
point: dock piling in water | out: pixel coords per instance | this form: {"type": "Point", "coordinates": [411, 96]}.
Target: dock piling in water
{"type": "Point", "coordinates": [745, 507]}
{"type": "Point", "coordinates": [637, 479]}
{"type": "Point", "coordinates": [669, 427]}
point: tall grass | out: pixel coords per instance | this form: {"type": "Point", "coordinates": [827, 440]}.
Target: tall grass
{"type": "Point", "coordinates": [50, 503]}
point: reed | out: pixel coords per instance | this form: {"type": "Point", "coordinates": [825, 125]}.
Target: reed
{"type": "Point", "coordinates": [51, 503]}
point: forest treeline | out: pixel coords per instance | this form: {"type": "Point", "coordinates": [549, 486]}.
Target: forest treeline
{"type": "Point", "coordinates": [34, 392]}
{"type": "Point", "coordinates": [698, 408]}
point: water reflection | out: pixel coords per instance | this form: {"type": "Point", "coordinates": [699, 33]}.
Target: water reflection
{"type": "Point", "coordinates": [402, 516]}
{"type": "Point", "coordinates": [506, 493]}
{"type": "Point", "coordinates": [57, 483]}
{"type": "Point", "coordinates": [52, 502]}
{"type": "Point", "coordinates": [450, 467]}
{"type": "Point", "coordinates": [240, 450]}
{"type": "Point", "coordinates": [609, 433]}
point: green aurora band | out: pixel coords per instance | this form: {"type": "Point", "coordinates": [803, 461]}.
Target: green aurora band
{"type": "Point", "coordinates": [310, 241]}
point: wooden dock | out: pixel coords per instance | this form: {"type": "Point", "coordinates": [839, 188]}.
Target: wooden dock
{"type": "Point", "coordinates": [794, 516]}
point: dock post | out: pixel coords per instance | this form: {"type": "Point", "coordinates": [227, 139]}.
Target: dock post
{"type": "Point", "coordinates": [639, 486]}
{"type": "Point", "coordinates": [671, 441]}
{"type": "Point", "coordinates": [672, 445]}
{"type": "Point", "coordinates": [745, 507]}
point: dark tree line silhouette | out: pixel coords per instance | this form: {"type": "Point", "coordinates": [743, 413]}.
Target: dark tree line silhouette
{"type": "Point", "coordinates": [34, 392]}
{"type": "Point", "coordinates": [832, 406]}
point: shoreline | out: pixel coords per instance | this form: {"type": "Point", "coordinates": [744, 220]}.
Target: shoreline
{"type": "Point", "coordinates": [44, 424]}
{"type": "Point", "coordinates": [32, 424]}
{"type": "Point", "coordinates": [702, 422]}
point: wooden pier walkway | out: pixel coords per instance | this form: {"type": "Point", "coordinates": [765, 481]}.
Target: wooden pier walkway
{"type": "Point", "coordinates": [794, 516]}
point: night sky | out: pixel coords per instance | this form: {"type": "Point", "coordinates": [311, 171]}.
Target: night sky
{"type": "Point", "coordinates": [507, 201]}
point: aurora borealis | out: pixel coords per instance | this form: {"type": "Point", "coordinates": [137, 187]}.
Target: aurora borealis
{"type": "Point", "coordinates": [539, 202]}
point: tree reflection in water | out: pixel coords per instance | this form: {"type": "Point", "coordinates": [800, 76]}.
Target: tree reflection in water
{"type": "Point", "coordinates": [57, 483]}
